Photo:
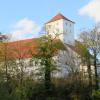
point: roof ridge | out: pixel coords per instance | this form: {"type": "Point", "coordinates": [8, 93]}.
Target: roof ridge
{"type": "Point", "coordinates": [58, 17]}
{"type": "Point", "coordinates": [22, 40]}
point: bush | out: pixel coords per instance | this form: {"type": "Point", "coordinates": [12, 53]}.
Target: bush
{"type": "Point", "coordinates": [96, 94]}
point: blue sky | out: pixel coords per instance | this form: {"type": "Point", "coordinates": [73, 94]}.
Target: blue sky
{"type": "Point", "coordinates": [14, 13]}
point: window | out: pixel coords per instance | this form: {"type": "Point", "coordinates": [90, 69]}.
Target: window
{"type": "Point", "coordinates": [31, 63]}
{"type": "Point", "coordinates": [66, 24]}
{"type": "Point", "coordinates": [49, 26]}
{"type": "Point", "coordinates": [57, 23]}
{"type": "Point", "coordinates": [57, 30]}
{"type": "Point", "coordinates": [64, 40]}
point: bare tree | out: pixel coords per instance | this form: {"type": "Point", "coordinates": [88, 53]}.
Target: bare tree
{"type": "Point", "coordinates": [91, 38]}
{"type": "Point", "coordinates": [5, 55]}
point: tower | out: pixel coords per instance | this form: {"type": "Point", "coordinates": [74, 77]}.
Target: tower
{"type": "Point", "coordinates": [62, 28]}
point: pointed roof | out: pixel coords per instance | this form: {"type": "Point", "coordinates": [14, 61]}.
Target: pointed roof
{"type": "Point", "coordinates": [58, 17]}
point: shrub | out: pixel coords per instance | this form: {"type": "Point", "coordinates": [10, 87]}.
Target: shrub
{"type": "Point", "coordinates": [96, 94]}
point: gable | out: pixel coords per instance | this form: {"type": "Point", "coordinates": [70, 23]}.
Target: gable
{"type": "Point", "coordinates": [58, 17]}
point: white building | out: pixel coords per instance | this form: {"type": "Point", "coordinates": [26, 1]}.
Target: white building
{"type": "Point", "coordinates": [61, 26]}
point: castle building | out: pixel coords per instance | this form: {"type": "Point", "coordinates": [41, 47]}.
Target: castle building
{"type": "Point", "coordinates": [67, 60]}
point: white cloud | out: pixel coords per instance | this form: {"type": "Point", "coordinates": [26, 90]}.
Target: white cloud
{"type": "Point", "coordinates": [92, 9]}
{"type": "Point", "coordinates": [24, 28]}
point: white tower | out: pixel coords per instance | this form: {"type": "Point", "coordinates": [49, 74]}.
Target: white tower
{"type": "Point", "coordinates": [62, 27]}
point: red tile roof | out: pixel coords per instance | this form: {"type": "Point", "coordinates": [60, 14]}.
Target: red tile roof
{"type": "Point", "coordinates": [20, 49]}
{"type": "Point", "coordinates": [58, 17]}
{"type": "Point", "coordinates": [25, 48]}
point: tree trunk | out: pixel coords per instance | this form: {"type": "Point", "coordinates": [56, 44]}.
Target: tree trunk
{"type": "Point", "coordinates": [90, 76]}
{"type": "Point", "coordinates": [96, 74]}
{"type": "Point", "coordinates": [47, 78]}
{"type": "Point", "coordinates": [5, 63]}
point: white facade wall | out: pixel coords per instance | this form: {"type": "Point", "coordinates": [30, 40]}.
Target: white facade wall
{"type": "Point", "coordinates": [63, 28]}
{"type": "Point", "coordinates": [68, 31]}
{"type": "Point", "coordinates": [55, 28]}
{"type": "Point", "coordinates": [84, 69]}
{"type": "Point", "coordinates": [67, 62]}
{"type": "Point", "coordinates": [64, 62]}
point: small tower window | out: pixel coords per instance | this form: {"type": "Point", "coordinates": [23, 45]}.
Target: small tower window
{"type": "Point", "coordinates": [49, 26]}
{"type": "Point", "coordinates": [57, 23]}
{"type": "Point", "coordinates": [57, 30]}
{"type": "Point", "coordinates": [53, 26]}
